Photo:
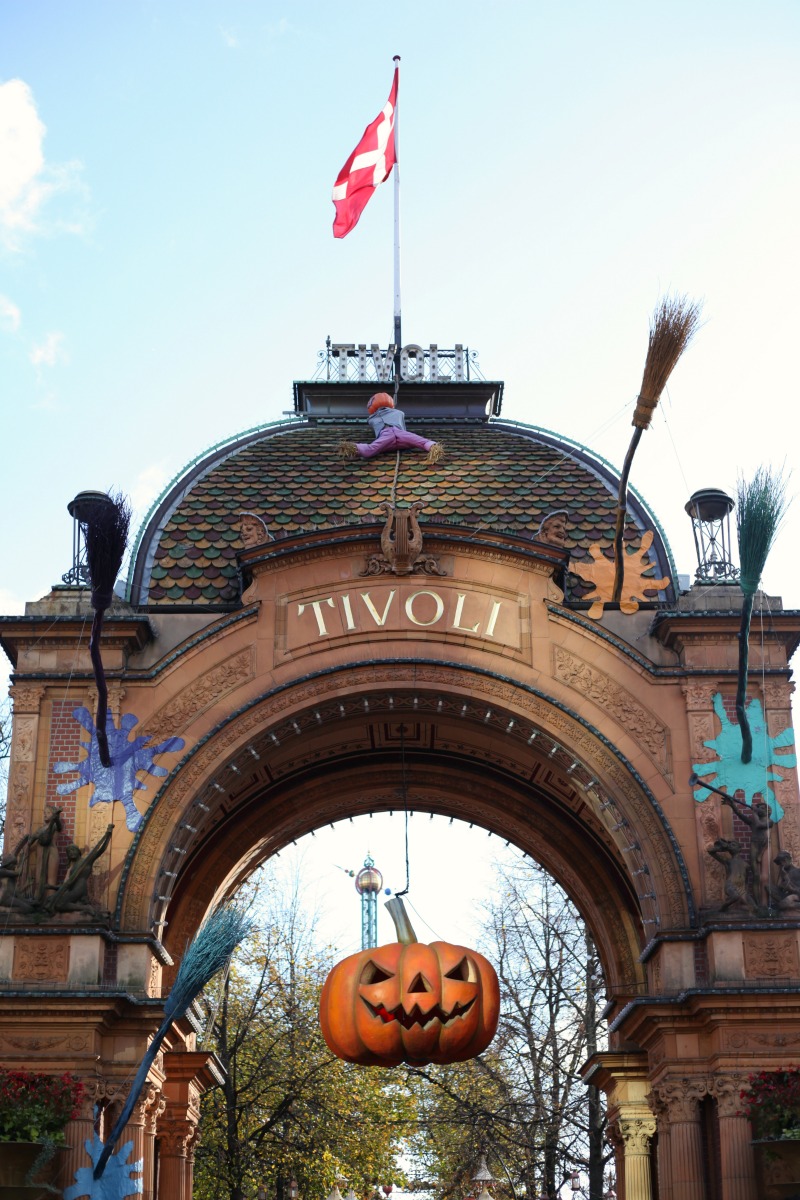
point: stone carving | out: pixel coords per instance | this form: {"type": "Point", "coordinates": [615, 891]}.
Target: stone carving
{"type": "Point", "coordinates": [785, 892]}
{"type": "Point", "coordinates": [636, 1133]}
{"type": "Point", "coordinates": [553, 529]}
{"type": "Point", "coordinates": [36, 861]}
{"type": "Point", "coordinates": [73, 894]}
{"type": "Point", "coordinates": [253, 531]}
{"type": "Point", "coordinates": [727, 1091]}
{"type": "Point", "coordinates": [202, 693]}
{"type": "Point", "coordinates": [697, 695]}
{"type": "Point", "coordinates": [19, 797]}
{"type": "Point", "coordinates": [758, 820]}
{"type": "Point", "coordinates": [681, 1098]}
{"type": "Point", "coordinates": [616, 700]}
{"type": "Point", "coordinates": [401, 545]}
{"type": "Point", "coordinates": [41, 960]}
{"type": "Point", "coordinates": [27, 698]}
{"type": "Point", "coordinates": [770, 957]}
{"type": "Point", "coordinates": [738, 891]}
{"type": "Point", "coordinates": [580, 740]}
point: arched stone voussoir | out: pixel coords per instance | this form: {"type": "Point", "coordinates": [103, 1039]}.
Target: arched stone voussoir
{"type": "Point", "coordinates": [517, 733]}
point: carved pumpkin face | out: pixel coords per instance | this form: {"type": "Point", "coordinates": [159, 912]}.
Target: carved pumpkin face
{"type": "Point", "coordinates": [410, 1003]}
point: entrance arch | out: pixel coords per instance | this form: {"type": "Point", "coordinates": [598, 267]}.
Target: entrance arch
{"type": "Point", "coordinates": [267, 668]}
{"type": "Point", "coordinates": [476, 747]}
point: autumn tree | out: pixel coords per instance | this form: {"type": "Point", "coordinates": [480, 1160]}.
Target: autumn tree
{"type": "Point", "coordinates": [523, 1100]}
{"type": "Point", "coordinates": [287, 1107]}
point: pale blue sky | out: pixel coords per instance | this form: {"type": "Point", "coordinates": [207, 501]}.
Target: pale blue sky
{"type": "Point", "coordinates": [167, 266]}
{"type": "Point", "coordinates": [170, 269]}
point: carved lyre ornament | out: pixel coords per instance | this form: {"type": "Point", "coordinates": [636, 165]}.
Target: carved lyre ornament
{"type": "Point", "coordinates": [401, 545]}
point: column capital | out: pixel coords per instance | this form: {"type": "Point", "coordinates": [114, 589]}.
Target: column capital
{"type": "Point", "coordinates": [636, 1133]}
{"type": "Point", "coordinates": [727, 1091]}
{"type": "Point", "coordinates": [679, 1099]}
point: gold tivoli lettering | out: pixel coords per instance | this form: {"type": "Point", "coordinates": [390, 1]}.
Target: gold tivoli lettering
{"type": "Point", "coordinates": [473, 613]}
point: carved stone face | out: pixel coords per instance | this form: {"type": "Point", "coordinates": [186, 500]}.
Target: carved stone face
{"type": "Point", "coordinates": [410, 1003]}
{"type": "Point", "coordinates": [252, 530]}
{"type": "Point", "coordinates": [554, 529]}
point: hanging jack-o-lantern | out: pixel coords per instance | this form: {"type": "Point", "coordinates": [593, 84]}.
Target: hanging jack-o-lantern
{"type": "Point", "coordinates": [410, 1002]}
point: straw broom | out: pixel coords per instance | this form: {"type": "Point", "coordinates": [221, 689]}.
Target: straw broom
{"type": "Point", "coordinates": [760, 507]}
{"type": "Point", "coordinates": [208, 953]}
{"type": "Point", "coordinates": [672, 327]}
{"type": "Point", "coordinates": [106, 538]}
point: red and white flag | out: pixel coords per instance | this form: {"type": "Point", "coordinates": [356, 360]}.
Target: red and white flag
{"type": "Point", "coordinates": [367, 167]}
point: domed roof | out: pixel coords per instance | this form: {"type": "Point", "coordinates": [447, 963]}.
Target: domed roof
{"type": "Point", "coordinates": [496, 476]}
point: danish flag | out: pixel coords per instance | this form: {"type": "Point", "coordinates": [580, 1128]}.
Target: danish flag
{"type": "Point", "coordinates": [367, 167]}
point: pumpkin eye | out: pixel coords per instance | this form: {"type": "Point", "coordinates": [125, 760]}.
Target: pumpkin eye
{"type": "Point", "coordinates": [372, 973]}
{"type": "Point", "coordinates": [463, 971]}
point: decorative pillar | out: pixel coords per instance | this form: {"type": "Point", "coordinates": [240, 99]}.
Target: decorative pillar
{"type": "Point", "coordinates": [663, 1163]}
{"type": "Point", "coordinates": [153, 1110]}
{"type": "Point", "coordinates": [173, 1136]}
{"type": "Point", "coordinates": [636, 1133]}
{"type": "Point", "coordinates": [681, 1098]}
{"type": "Point", "coordinates": [736, 1151]}
{"type": "Point", "coordinates": [78, 1132]}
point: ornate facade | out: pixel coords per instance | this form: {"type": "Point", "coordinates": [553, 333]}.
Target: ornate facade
{"type": "Point", "coordinates": [257, 687]}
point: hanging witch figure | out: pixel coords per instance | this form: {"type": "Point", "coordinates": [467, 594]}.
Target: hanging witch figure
{"type": "Point", "coordinates": [389, 425]}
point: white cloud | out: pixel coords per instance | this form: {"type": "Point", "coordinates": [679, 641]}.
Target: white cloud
{"type": "Point", "coordinates": [27, 182]}
{"type": "Point", "coordinates": [49, 352]}
{"type": "Point", "coordinates": [148, 486]}
{"type": "Point", "coordinates": [10, 316]}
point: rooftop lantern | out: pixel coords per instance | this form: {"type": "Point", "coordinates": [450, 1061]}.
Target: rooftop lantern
{"type": "Point", "coordinates": [82, 509]}
{"type": "Point", "coordinates": [710, 510]}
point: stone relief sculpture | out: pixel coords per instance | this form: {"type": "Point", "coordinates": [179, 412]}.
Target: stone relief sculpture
{"type": "Point", "coordinates": [28, 876]}
{"type": "Point", "coordinates": [401, 545]}
{"type": "Point", "coordinates": [253, 531]}
{"type": "Point", "coordinates": [759, 822]}
{"type": "Point", "coordinates": [553, 528]}
{"type": "Point", "coordinates": [727, 852]}
{"type": "Point", "coordinates": [73, 893]}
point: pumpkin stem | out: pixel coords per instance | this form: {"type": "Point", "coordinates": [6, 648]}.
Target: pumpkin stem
{"type": "Point", "coordinates": [402, 924]}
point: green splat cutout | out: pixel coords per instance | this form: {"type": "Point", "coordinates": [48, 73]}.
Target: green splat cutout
{"type": "Point", "coordinates": [730, 772]}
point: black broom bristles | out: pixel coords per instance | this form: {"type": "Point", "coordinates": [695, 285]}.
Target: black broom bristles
{"type": "Point", "coordinates": [106, 534]}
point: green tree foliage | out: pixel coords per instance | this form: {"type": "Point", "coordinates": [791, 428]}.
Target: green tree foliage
{"type": "Point", "coordinates": [522, 1103]}
{"type": "Point", "coordinates": [288, 1108]}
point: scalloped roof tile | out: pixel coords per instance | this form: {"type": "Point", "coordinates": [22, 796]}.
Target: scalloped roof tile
{"type": "Point", "coordinates": [497, 475]}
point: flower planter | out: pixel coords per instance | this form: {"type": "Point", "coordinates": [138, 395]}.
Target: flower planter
{"type": "Point", "coordinates": [777, 1169]}
{"type": "Point", "coordinates": [16, 1160]}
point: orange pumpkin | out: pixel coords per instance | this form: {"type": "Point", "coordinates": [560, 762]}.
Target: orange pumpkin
{"type": "Point", "coordinates": [409, 1002]}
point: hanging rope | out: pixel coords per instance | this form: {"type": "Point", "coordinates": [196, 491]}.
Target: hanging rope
{"type": "Point", "coordinates": [404, 789]}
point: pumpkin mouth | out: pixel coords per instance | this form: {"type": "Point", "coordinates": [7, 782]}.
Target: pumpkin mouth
{"type": "Point", "coordinates": [409, 1019]}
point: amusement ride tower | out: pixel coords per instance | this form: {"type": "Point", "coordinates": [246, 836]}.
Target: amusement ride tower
{"type": "Point", "coordinates": [369, 882]}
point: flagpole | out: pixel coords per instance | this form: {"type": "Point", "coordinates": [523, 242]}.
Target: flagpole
{"type": "Point", "coordinates": [397, 318]}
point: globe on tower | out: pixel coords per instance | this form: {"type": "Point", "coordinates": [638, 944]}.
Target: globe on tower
{"type": "Point", "coordinates": [369, 882]}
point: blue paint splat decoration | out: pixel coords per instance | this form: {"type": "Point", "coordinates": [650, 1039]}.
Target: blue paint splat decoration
{"type": "Point", "coordinates": [128, 756]}
{"type": "Point", "coordinates": [115, 1183]}
{"type": "Point", "coordinates": [728, 770]}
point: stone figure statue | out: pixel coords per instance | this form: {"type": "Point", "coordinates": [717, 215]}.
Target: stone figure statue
{"type": "Point", "coordinates": [727, 852]}
{"type": "Point", "coordinates": [785, 892]}
{"type": "Point", "coordinates": [760, 823]}
{"type": "Point", "coordinates": [37, 859]}
{"type": "Point", "coordinates": [73, 894]}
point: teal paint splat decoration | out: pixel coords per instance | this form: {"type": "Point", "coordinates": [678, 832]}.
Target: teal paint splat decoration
{"type": "Point", "coordinates": [728, 770]}
{"type": "Point", "coordinates": [115, 1184]}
